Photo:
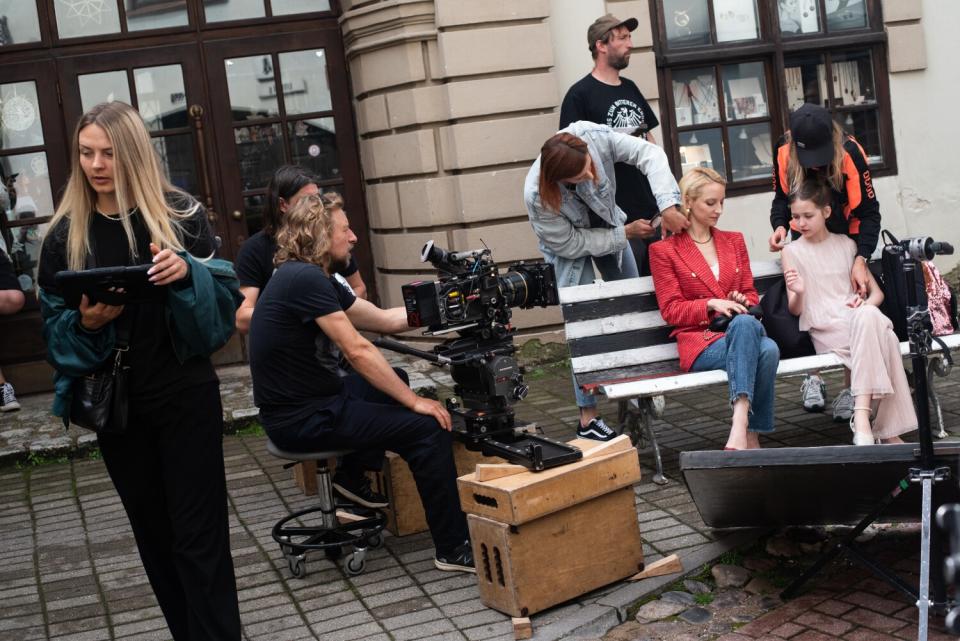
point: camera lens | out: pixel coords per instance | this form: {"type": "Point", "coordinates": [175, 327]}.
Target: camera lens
{"type": "Point", "coordinates": [515, 289]}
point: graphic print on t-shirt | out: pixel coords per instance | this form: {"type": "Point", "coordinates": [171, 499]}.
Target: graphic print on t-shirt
{"type": "Point", "coordinates": [626, 113]}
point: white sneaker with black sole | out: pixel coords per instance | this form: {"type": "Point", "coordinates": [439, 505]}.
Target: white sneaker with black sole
{"type": "Point", "coordinates": [8, 401]}
{"type": "Point", "coordinates": [843, 406]}
{"type": "Point", "coordinates": [596, 430]}
{"type": "Point", "coordinates": [814, 393]}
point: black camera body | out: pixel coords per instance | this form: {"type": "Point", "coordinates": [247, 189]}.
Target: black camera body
{"type": "Point", "coordinates": [471, 293]}
{"type": "Point", "coordinates": [473, 300]}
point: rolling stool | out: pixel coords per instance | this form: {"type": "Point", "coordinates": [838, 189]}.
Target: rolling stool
{"type": "Point", "coordinates": [329, 534]}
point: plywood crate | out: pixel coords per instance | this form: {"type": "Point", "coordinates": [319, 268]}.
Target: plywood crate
{"type": "Point", "coordinates": [523, 569]}
{"type": "Point", "coordinates": [395, 481]}
{"type": "Point", "coordinates": [523, 497]}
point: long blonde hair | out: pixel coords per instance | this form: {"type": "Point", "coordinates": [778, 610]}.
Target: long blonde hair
{"type": "Point", "coordinates": [796, 173]}
{"type": "Point", "coordinates": [305, 233]}
{"type": "Point", "coordinates": [139, 180]}
{"type": "Point", "coordinates": [693, 183]}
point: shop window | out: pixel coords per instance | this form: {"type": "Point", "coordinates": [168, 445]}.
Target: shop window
{"type": "Point", "coordinates": [736, 69]}
{"type": "Point", "coordinates": [86, 18]}
{"type": "Point", "coordinates": [232, 10]}
{"type": "Point", "coordinates": [19, 23]}
{"type": "Point", "coordinates": [26, 197]}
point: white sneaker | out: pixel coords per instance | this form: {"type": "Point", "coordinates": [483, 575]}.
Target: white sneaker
{"type": "Point", "coordinates": [843, 406]}
{"type": "Point", "coordinates": [8, 401]}
{"type": "Point", "coordinates": [814, 393]}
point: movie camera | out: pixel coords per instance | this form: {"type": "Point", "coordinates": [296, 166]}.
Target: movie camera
{"type": "Point", "coordinates": [474, 300]}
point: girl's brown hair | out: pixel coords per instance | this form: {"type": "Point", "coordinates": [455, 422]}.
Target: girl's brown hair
{"type": "Point", "coordinates": [304, 233]}
{"type": "Point", "coordinates": [816, 190]}
{"type": "Point", "coordinates": [562, 156]}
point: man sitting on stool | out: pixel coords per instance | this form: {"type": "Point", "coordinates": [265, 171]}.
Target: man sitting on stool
{"type": "Point", "coordinates": [305, 406]}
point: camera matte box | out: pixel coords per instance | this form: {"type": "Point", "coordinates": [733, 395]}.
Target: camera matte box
{"type": "Point", "coordinates": [524, 569]}
{"type": "Point", "coordinates": [524, 497]}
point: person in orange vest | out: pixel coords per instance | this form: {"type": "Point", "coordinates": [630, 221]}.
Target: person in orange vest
{"type": "Point", "coordinates": [816, 146]}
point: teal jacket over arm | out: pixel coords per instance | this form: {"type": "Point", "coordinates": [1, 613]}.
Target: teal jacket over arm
{"type": "Point", "coordinates": [199, 313]}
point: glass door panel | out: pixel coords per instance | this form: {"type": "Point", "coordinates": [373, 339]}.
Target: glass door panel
{"type": "Point", "coordinates": [21, 22]}
{"type": "Point", "coordinates": [103, 87]}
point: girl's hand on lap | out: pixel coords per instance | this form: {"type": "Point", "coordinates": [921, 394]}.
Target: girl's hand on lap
{"type": "Point", "coordinates": [856, 302]}
{"type": "Point", "coordinates": [794, 281]}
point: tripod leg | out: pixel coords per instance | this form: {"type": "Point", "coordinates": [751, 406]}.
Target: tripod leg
{"type": "Point", "coordinates": [923, 600]}
{"type": "Point", "coordinates": [845, 543]}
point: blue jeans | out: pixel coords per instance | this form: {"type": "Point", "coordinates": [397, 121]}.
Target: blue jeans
{"type": "Point", "coordinates": [607, 265]}
{"type": "Point", "coordinates": [750, 360]}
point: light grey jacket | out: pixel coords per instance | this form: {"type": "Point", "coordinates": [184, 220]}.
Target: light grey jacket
{"type": "Point", "coordinates": [566, 238]}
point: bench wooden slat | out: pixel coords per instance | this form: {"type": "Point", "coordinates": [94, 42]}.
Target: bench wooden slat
{"type": "Point", "coordinates": [619, 342]}
{"type": "Point", "coordinates": [693, 380]}
{"type": "Point", "coordinates": [612, 325]}
{"type": "Point", "coordinates": [625, 358]}
{"type": "Point", "coordinates": [643, 285]}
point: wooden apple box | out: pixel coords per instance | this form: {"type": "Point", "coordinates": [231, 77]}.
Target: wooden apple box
{"type": "Point", "coordinates": [523, 569]}
{"type": "Point", "coordinates": [395, 481]}
{"type": "Point", "coordinates": [522, 496]}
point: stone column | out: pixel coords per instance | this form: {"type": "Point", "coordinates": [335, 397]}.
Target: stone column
{"type": "Point", "coordinates": [453, 100]}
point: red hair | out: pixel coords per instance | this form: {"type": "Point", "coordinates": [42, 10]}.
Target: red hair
{"type": "Point", "coordinates": [562, 156]}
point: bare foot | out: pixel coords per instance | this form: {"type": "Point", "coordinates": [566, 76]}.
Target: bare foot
{"type": "Point", "coordinates": [753, 441]}
{"type": "Point", "coordinates": [892, 439]}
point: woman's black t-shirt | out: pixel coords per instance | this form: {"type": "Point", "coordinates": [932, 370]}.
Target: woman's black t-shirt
{"type": "Point", "coordinates": [155, 371]}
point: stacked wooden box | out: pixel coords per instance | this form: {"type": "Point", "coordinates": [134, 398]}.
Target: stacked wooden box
{"type": "Point", "coordinates": [543, 538]}
{"type": "Point", "coordinates": [395, 481]}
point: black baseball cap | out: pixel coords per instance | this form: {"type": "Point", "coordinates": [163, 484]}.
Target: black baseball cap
{"type": "Point", "coordinates": [811, 128]}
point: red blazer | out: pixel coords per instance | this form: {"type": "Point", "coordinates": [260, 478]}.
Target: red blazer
{"type": "Point", "coordinates": [684, 283]}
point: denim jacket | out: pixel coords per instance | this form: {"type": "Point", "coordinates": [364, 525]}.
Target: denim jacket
{"type": "Point", "coordinates": [199, 314]}
{"type": "Point", "coordinates": [566, 238]}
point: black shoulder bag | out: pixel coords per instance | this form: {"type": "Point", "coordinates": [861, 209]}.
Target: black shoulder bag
{"type": "Point", "coordinates": [99, 399]}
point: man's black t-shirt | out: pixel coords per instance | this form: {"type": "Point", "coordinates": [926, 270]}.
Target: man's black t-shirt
{"type": "Point", "coordinates": [616, 106]}
{"type": "Point", "coordinates": [255, 261]}
{"type": "Point", "coordinates": [291, 361]}
{"type": "Point", "coordinates": [155, 371]}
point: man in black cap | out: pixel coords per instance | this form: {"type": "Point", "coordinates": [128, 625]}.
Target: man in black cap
{"type": "Point", "coordinates": [604, 97]}
{"type": "Point", "coordinates": [816, 146]}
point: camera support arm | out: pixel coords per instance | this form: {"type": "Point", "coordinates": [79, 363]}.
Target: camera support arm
{"type": "Point", "coordinates": [402, 348]}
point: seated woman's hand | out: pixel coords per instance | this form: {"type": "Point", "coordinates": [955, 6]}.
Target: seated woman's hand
{"type": "Point", "coordinates": [794, 281]}
{"type": "Point", "coordinates": [725, 306]}
{"type": "Point", "coordinates": [167, 266]}
{"type": "Point", "coordinates": [737, 297]}
{"type": "Point", "coordinates": [93, 317]}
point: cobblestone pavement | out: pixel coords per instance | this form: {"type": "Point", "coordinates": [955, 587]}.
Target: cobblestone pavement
{"type": "Point", "coordinates": [69, 568]}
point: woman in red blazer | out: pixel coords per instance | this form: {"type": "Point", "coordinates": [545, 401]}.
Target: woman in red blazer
{"type": "Point", "coordinates": [700, 273]}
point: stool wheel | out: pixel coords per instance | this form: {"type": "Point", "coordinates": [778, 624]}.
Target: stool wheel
{"type": "Point", "coordinates": [375, 541]}
{"type": "Point", "coordinates": [297, 565]}
{"type": "Point", "coordinates": [354, 566]}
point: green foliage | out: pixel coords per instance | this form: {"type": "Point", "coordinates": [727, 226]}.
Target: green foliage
{"type": "Point", "coordinates": [730, 557]}
{"type": "Point", "coordinates": [251, 429]}
{"type": "Point", "coordinates": [35, 459]}
{"type": "Point", "coordinates": [703, 599]}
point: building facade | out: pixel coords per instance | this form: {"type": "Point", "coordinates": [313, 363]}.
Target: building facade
{"type": "Point", "coordinates": [426, 114]}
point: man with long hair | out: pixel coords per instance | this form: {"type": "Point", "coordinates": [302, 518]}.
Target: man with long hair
{"type": "Point", "coordinates": [305, 405]}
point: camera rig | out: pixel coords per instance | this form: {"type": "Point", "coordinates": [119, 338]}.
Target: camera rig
{"type": "Point", "coordinates": [472, 299]}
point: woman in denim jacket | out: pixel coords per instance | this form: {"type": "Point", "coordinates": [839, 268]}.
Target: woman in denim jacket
{"type": "Point", "coordinates": [570, 198]}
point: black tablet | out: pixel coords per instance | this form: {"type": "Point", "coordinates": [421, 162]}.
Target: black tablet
{"type": "Point", "coordinates": [101, 285]}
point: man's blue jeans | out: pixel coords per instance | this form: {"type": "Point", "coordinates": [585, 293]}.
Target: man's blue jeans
{"type": "Point", "coordinates": [750, 360]}
{"type": "Point", "coordinates": [609, 270]}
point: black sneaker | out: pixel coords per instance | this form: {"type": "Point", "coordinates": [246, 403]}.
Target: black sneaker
{"type": "Point", "coordinates": [460, 559]}
{"type": "Point", "coordinates": [358, 490]}
{"type": "Point", "coordinates": [597, 430]}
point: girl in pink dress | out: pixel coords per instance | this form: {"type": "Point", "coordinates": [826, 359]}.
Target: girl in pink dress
{"type": "Point", "coordinates": [816, 268]}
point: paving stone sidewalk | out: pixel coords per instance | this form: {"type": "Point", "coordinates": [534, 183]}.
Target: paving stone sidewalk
{"type": "Point", "coordinates": [69, 568]}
